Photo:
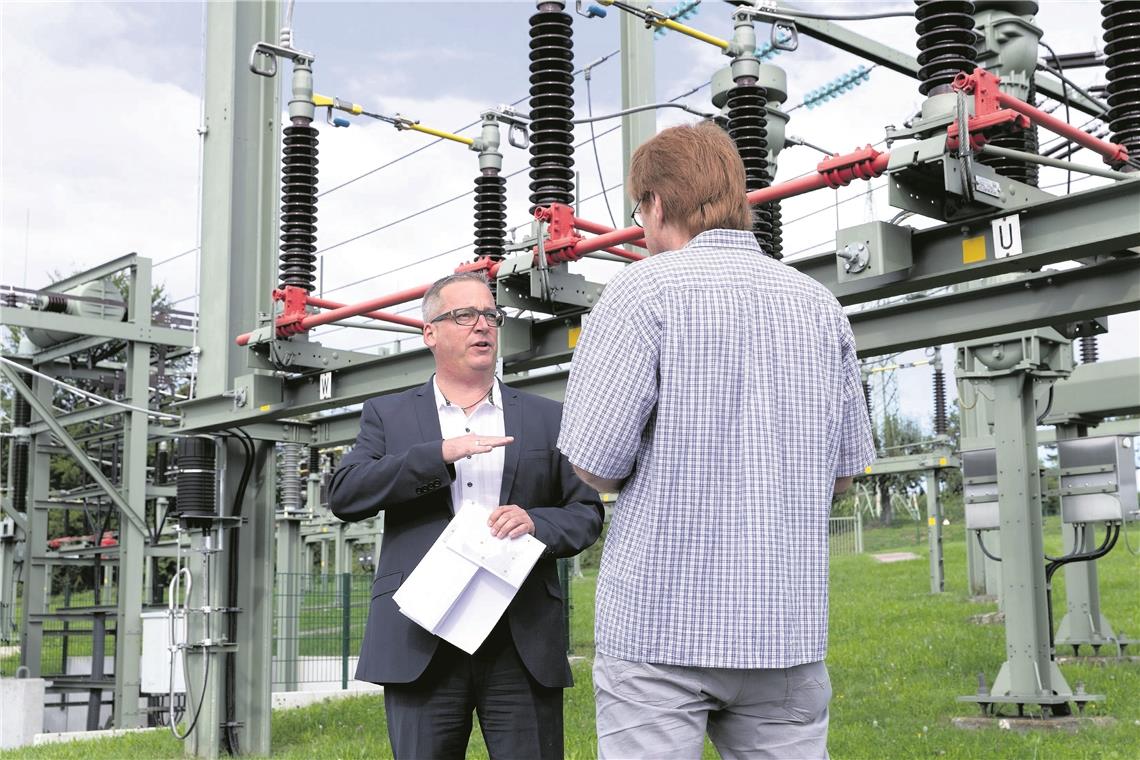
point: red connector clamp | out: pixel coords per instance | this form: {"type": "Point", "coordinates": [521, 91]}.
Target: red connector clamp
{"type": "Point", "coordinates": [560, 232]}
{"type": "Point", "coordinates": [296, 301]}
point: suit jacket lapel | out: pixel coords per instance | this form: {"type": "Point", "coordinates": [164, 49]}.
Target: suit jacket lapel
{"type": "Point", "coordinates": [512, 426]}
{"type": "Point", "coordinates": [428, 417]}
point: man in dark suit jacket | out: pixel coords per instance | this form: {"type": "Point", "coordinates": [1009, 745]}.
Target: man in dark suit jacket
{"type": "Point", "coordinates": [406, 465]}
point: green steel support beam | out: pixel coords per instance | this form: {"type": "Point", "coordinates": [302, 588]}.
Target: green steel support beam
{"type": "Point", "coordinates": [638, 88]}
{"type": "Point", "coordinates": [288, 588]}
{"type": "Point", "coordinates": [68, 348]}
{"type": "Point", "coordinates": [1130, 426]}
{"type": "Point", "coordinates": [132, 539]}
{"type": "Point", "coordinates": [37, 581]}
{"type": "Point", "coordinates": [103, 328]}
{"type": "Point", "coordinates": [238, 263]}
{"type": "Point", "coordinates": [1101, 389]}
{"type": "Point", "coordinates": [1011, 367]}
{"type": "Point", "coordinates": [934, 532]}
{"type": "Point", "coordinates": [96, 272]}
{"type": "Point", "coordinates": [1042, 299]}
{"type": "Point", "coordinates": [81, 458]}
{"type": "Point", "coordinates": [1101, 221]}
{"type": "Point", "coordinates": [90, 414]}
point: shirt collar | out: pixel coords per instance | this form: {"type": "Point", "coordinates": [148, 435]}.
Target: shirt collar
{"type": "Point", "coordinates": [441, 402]}
{"type": "Point", "coordinates": [720, 239]}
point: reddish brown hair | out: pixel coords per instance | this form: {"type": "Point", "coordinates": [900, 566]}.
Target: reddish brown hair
{"type": "Point", "coordinates": [696, 175]}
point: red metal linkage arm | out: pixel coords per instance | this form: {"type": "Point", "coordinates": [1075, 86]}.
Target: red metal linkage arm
{"type": "Point", "coordinates": [383, 316]}
{"type": "Point", "coordinates": [343, 312]}
{"type": "Point", "coordinates": [600, 229]}
{"type": "Point", "coordinates": [865, 163]}
{"type": "Point", "coordinates": [987, 93]}
{"type": "Point", "coordinates": [837, 171]}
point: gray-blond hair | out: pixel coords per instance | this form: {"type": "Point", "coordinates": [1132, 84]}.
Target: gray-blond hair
{"type": "Point", "coordinates": [431, 298]}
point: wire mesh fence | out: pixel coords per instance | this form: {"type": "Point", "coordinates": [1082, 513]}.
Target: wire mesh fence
{"type": "Point", "coordinates": [318, 624]}
{"type": "Point", "coordinates": [846, 534]}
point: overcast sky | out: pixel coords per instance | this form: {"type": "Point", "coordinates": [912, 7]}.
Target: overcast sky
{"type": "Point", "coordinates": [102, 103]}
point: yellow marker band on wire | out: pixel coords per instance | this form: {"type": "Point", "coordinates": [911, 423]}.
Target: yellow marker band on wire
{"type": "Point", "coordinates": [689, 31]}
{"type": "Point", "coordinates": [441, 133]}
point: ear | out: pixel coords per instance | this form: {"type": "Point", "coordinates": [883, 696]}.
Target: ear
{"type": "Point", "coordinates": [429, 335]}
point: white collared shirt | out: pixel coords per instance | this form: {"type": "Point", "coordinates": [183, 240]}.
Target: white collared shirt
{"type": "Point", "coordinates": [478, 478]}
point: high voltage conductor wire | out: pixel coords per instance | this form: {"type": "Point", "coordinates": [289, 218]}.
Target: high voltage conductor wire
{"type": "Point", "coordinates": [430, 258]}
{"type": "Point", "coordinates": [508, 176]}
{"type": "Point", "coordinates": [396, 160]}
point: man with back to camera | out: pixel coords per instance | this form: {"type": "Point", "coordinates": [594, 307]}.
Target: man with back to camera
{"type": "Point", "coordinates": [719, 391]}
{"type": "Point", "coordinates": [464, 440]}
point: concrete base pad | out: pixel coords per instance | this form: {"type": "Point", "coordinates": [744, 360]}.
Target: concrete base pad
{"type": "Point", "coordinates": [1071, 723]}
{"type": "Point", "coordinates": [988, 618]}
{"type": "Point", "coordinates": [1099, 660]}
{"type": "Point", "coordinates": [895, 557]}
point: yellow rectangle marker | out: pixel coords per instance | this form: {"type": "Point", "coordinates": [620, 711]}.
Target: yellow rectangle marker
{"type": "Point", "coordinates": [572, 336]}
{"type": "Point", "coordinates": [974, 250]}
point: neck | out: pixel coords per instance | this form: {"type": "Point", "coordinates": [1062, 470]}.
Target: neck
{"type": "Point", "coordinates": [464, 387]}
{"type": "Point", "coordinates": [670, 238]}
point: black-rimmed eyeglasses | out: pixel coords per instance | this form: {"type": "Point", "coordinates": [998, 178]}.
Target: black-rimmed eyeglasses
{"type": "Point", "coordinates": [468, 316]}
{"type": "Point", "coordinates": [635, 215]}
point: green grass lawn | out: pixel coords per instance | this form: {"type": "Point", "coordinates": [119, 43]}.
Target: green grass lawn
{"type": "Point", "coordinates": [899, 658]}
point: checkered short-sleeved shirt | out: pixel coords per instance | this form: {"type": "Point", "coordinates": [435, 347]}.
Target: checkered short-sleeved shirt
{"type": "Point", "coordinates": [725, 385]}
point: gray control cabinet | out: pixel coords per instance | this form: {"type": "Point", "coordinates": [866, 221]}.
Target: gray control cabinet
{"type": "Point", "coordinates": [1098, 479]}
{"type": "Point", "coordinates": [979, 473]}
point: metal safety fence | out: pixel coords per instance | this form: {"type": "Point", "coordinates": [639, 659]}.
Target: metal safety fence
{"type": "Point", "coordinates": [318, 624]}
{"type": "Point", "coordinates": [846, 534]}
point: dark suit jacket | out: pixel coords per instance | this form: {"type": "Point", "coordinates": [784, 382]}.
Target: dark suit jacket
{"type": "Point", "coordinates": [397, 466]}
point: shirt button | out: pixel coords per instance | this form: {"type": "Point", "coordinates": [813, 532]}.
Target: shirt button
{"type": "Point", "coordinates": [468, 485]}
{"type": "Point", "coordinates": [467, 429]}
{"type": "Point", "coordinates": [468, 456]}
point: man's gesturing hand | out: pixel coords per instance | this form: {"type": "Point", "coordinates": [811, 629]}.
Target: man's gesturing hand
{"type": "Point", "coordinates": [510, 521]}
{"type": "Point", "coordinates": [455, 449]}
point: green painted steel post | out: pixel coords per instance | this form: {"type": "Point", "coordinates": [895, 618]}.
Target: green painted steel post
{"type": "Point", "coordinates": [934, 532]}
{"type": "Point", "coordinates": [238, 268]}
{"type": "Point", "coordinates": [345, 626]}
{"type": "Point", "coordinates": [638, 71]}
{"type": "Point", "coordinates": [37, 584]}
{"type": "Point", "coordinates": [132, 541]}
{"type": "Point", "coordinates": [1028, 667]}
{"type": "Point", "coordinates": [288, 593]}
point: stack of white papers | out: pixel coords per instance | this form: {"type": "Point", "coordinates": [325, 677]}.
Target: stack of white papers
{"type": "Point", "coordinates": [464, 583]}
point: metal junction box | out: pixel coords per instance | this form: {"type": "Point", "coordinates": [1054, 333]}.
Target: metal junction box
{"type": "Point", "coordinates": [1098, 479]}
{"type": "Point", "coordinates": [979, 477]}
{"type": "Point", "coordinates": [874, 251]}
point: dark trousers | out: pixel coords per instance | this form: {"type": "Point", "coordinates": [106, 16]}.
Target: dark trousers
{"type": "Point", "coordinates": [430, 718]}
